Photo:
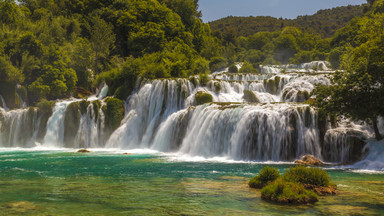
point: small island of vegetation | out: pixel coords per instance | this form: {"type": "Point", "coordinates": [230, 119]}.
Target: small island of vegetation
{"type": "Point", "coordinates": [298, 185]}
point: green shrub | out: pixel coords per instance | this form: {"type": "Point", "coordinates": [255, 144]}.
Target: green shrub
{"type": "Point", "coordinates": [45, 106]}
{"type": "Point", "coordinates": [122, 93]}
{"type": "Point", "coordinates": [284, 192]}
{"type": "Point", "coordinates": [233, 69]}
{"type": "Point", "coordinates": [304, 175]}
{"type": "Point", "coordinates": [203, 97]}
{"type": "Point", "coordinates": [247, 68]}
{"type": "Point", "coordinates": [204, 79]}
{"type": "Point", "coordinates": [250, 97]}
{"type": "Point", "coordinates": [217, 63]}
{"type": "Point", "coordinates": [266, 175]}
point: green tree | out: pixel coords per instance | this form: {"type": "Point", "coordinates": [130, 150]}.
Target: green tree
{"type": "Point", "coordinates": [102, 39]}
{"type": "Point", "coordinates": [8, 72]}
{"type": "Point", "coordinates": [81, 62]}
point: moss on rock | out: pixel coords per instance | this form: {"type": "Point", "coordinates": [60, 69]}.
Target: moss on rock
{"type": "Point", "coordinates": [284, 192]}
{"type": "Point", "coordinates": [71, 122]}
{"type": "Point", "coordinates": [203, 98]}
{"type": "Point", "coordinates": [250, 97]}
{"type": "Point", "coordinates": [45, 106]}
{"type": "Point", "coordinates": [114, 113]}
{"type": "Point", "coordinates": [194, 81]}
{"type": "Point", "coordinates": [217, 86]}
{"type": "Point", "coordinates": [96, 108]}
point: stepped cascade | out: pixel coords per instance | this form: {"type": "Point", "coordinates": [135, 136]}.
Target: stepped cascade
{"type": "Point", "coordinates": [252, 117]}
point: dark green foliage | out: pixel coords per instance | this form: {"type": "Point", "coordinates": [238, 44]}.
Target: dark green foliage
{"type": "Point", "coordinates": [233, 69]}
{"type": "Point", "coordinates": [284, 192]}
{"type": "Point", "coordinates": [54, 47]}
{"type": "Point", "coordinates": [217, 63]}
{"type": "Point", "coordinates": [266, 176]}
{"type": "Point", "coordinates": [335, 57]}
{"type": "Point", "coordinates": [247, 68]}
{"type": "Point", "coordinates": [203, 98]}
{"type": "Point", "coordinates": [114, 113]}
{"type": "Point", "coordinates": [359, 48]}
{"type": "Point", "coordinates": [324, 22]}
{"type": "Point", "coordinates": [203, 79]}
{"type": "Point", "coordinates": [122, 93]}
{"type": "Point", "coordinates": [250, 97]}
{"type": "Point", "coordinates": [304, 175]}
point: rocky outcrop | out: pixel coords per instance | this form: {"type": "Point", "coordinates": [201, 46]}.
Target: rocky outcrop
{"type": "Point", "coordinates": [83, 151]}
{"type": "Point", "coordinates": [309, 160]}
{"type": "Point", "coordinates": [322, 191]}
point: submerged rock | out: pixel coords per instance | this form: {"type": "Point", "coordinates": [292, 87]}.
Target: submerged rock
{"type": "Point", "coordinates": [21, 206]}
{"type": "Point", "coordinates": [309, 160]}
{"type": "Point", "coordinates": [83, 151]}
{"type": "Point", "coordinates": [322, 191]}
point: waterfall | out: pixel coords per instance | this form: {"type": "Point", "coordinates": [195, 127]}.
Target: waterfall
{"type": "Point", "coordinates": [103, 91]}
{"type": "Point", "coordinates": [23, 104]}
{"type": "Point", "coordinates": [243, 132]}
{"type": "Point", "coordinates": [3, 104]}
{"type": "Point", "coordinates": [91, 128]}
{"type": "Point", "coordinates": [19, 128]}
{"type": "Point", "coordinates": [163, 115]}
{"type": "Point", "coordinates": [54, 136]}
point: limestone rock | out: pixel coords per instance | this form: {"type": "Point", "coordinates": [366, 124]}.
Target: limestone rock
{"type": "Point", "coordinates": [309, 160]}
{"type": "Point", "coordinates": [83, 151]}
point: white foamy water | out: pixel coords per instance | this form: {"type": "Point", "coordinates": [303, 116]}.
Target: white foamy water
{"type": "Point", "coordinates": [162, 118]}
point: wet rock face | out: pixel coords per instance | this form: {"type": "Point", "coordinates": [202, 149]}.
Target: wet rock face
{"type": "Point", "coordinates": [309, 160]}
{"type": "Point", "coordinates": [343, 146]}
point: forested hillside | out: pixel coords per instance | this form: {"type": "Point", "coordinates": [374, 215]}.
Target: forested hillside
{"type": "Point", "coordinates": [58, 48]}
{"type": "Point", "coordinates": [324, 22]}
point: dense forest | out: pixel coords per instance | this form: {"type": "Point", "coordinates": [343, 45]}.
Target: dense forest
{"type": "Point", "coordinates": [57, 49]}
{"type": "Point", "coordinates": [324, 23]}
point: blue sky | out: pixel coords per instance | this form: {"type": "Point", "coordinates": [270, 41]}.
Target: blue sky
{"type": "Point", "coordinates": [216, 9]}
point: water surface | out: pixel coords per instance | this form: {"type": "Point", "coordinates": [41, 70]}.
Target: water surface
{"type": "Point", "coordinates": [110, 183]}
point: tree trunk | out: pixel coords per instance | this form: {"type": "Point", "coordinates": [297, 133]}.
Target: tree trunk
{"type": "Point", "coordinates": [376, 129]}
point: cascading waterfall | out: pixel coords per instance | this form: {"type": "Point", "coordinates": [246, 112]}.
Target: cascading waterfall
{"type": "Point", "coordinates": [91, 129]}
{"type": "Point", "coordinates": [243, 132]}
{"type": "Point", "coordinates": [54, 136]}
{"type": "Point", "coordinates": [3, 104]}
{"type": "Point", "coordinates": [23, 104]}
{"type": "Point", "coordinates": [162, 115]}
{"type": "Point", "coordinates": [19, 127]}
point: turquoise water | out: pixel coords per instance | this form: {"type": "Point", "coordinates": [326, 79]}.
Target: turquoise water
{"type": "Point", "coordinates": [106, 183]}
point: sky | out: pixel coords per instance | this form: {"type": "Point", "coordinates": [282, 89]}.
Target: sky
{"type": "Point", "coordinates": [216, 9]}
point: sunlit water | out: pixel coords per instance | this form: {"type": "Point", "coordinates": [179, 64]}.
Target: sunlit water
{"type": "Point", "coordinates": [63, 182]}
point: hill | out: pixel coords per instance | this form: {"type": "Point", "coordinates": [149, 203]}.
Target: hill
{"type": "Point", "coordinates": [324, 22]}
